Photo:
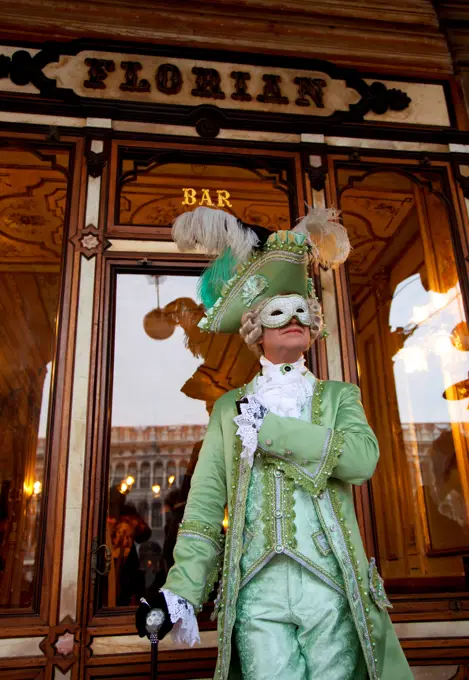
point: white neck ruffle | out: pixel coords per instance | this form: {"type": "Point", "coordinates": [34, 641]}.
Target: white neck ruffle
{"type": "Point", "coordinates": [283, 388]}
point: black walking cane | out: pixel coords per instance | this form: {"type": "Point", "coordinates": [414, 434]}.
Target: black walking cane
{"type": "Point", "coordinates": [154, 622]}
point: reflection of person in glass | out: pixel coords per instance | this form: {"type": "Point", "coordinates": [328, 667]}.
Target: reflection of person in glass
{"type": "Point", "coordinates": [126, 529]}
{"type": "Point", "coordinates": [298, 598]}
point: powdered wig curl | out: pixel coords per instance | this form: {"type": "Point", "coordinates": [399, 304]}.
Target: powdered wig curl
{"type": "Point", "coordinates": [251, 327]}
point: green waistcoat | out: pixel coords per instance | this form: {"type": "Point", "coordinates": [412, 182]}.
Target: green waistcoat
{"type": "Point", "coordinates": [322, 457]}
{"type": "Point", "coordinates": [281, 518]}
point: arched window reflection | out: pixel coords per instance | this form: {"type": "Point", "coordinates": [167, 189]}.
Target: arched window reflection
{"type": "Point", "coordinates": [412, 347]}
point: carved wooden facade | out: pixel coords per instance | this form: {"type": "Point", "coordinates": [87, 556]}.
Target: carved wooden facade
{"type": "Point", "coordinates": [106, 382]}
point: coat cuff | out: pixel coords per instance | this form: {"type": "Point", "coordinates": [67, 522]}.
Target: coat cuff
{"type": "Point", "coordinates": [202, 532]}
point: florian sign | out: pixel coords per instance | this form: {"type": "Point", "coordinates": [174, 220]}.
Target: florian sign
{"type": "Point", "coordinates": [205, 83]}
{"type": "Point", "coordinates": [76, 75]}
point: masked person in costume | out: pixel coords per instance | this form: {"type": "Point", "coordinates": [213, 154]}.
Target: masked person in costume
{"type": "Point", "coordinates": [298, 599]}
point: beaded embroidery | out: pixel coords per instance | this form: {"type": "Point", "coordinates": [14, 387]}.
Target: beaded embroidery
{"type": "Point", "coordinates": [357, 595]}
{"type": "Point", "coordinates": [231, 567]}
{"type": "Point", "coordinates": [313, 482]}
{"type": "Point", "coordinates": [321, 542]}
{"type": "Point", "coordinates": [254, 286]}
{"type": "Point", "coordinates": [316, 403]}
{"type": "Point", "coordinates": [204, 532]}
{"type": "Point", "coordinates": [376, 586]}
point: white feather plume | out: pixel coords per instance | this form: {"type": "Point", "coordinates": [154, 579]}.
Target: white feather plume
{"type": "Point", "coordinates": [214, 231]}
{"type": "Point", "coordinates": [329, 238]}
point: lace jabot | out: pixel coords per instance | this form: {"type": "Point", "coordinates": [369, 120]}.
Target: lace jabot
{"type": "Point", "coordinates": [282, 389]}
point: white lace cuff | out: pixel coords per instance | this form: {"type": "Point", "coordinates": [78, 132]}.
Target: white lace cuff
{"type": "Point", "coordinates": [249, 423]}
{"type": "Point", "coordinates": [181, 612]}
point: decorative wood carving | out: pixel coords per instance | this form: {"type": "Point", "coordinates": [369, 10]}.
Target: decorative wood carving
{"type": "Point", "coordinates": [317, 175]}
{"type": "Point", "coordinates": [208, 127]}
{"type": "Point", "coordinates": [96, 161]}
{"type": "Point", "coordinates": [89, 241]}
{"type": "Point", "coordinates": [22, 68]}
{"type": "Point", "coordinates": [308, 95]}
{"type": "Point", "coordinates": [62, 644]}
{"type": "Point", "coordinates": [380, 99]}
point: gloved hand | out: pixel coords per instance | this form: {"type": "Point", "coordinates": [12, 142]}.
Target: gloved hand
{"type": "Point", "coordinates": [156, 601]}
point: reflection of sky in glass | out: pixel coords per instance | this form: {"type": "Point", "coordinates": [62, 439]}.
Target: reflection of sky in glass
{"type": "Point", "coordinates": [149, 374]}
{"type": "Point", "coordinates": [428, 363]}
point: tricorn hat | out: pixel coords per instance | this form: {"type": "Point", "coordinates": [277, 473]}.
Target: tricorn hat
{"type": "Point", "coordinates": [254, 264]}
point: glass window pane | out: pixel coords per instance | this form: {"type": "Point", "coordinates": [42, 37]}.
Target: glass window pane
{"type": "Point", "coordinates": [167, 375]}
{"type": "Point", "coordinates": [413, 351]}
{"type": "Point", "coordinates": [33, 194]}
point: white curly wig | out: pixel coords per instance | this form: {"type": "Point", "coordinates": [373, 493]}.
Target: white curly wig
{"type": "Point", "coordinates": [251, 327]}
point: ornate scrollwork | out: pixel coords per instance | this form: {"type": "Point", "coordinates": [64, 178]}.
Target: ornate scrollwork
{"type": "Point", "coordinates": [23, 68]}
{"type": "Point", "coordinates": [380, 99]}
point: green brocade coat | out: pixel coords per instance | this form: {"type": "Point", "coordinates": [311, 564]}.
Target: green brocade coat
{"type": "Point", "coordinates": [324, 456]}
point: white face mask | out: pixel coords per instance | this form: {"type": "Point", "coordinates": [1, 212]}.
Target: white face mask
{"type": "Point", "coordinates": [281, 309]}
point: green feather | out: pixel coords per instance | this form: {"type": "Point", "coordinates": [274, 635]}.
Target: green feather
{"type": "Point", "coordinates": [214, 278]}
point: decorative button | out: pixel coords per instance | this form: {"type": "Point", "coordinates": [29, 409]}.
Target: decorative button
{"type": "Point", "coordinates": [278, 473]}
{"type": "Point", "coordinates": [278, 514]}
{"type": "Point", "coordinates": [268, 442]}
{"type": "Point", "coordinates": [279, 549]}
{"type": "Point", "coordinates": [332, 528]}
{"type": "Point", "coordinates": [304, 461]}
{"type": "Point", "coordinates": [288, 452]}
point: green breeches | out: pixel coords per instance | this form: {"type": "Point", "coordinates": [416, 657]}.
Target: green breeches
{"type": "Point", "coordinates": [292, 626]}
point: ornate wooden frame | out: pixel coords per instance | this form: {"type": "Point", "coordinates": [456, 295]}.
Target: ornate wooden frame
{"type": "Point", "coordinates": [451, 606]}
{"type": "Point", "coordinates": [426, 604]}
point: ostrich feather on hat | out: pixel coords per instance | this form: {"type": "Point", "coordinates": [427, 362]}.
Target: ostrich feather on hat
{"type": "Point", "coordinates": [328, 237]}
{"type": "Point", "coordinates": [253, 263]}
{"type": "Point", "coordinates": [217, 233]}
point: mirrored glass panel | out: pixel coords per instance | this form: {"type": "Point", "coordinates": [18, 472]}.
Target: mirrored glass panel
{"type": "Point", "coordinates": [412, 343]}
{"type": "Point", "coordinates": [33, 196]}
{"type": "Point", "coordinates": [167, 376]}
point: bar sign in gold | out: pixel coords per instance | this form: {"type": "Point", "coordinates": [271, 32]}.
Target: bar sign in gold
{"type": "Point", "coordinates": [192, 198]}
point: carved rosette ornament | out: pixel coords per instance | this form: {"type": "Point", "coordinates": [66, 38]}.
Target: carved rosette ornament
{"type": "Point", "coordinates": [89, 242]}
{"type": "Point", "coordinates": [60, 645]}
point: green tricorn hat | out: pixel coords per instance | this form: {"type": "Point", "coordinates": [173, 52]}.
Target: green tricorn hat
{"type": "Point", "coordinates": [255, 264]}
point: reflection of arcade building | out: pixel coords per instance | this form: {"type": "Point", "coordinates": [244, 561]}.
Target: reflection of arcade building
{"type": "Point", "coordinates": [156, 458]}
